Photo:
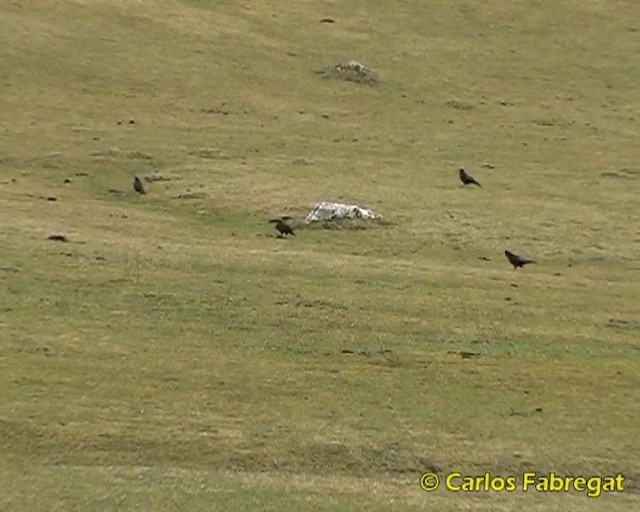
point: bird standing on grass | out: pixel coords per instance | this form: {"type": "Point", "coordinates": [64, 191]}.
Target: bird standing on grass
{"type": "Point", "coordinates": [138, 186]}
{"type": "Point", "coordinates": [282, 226]}
{"type": "Point", "coordinates": [517, 261]}
{"type": "Point", "coordinates": [466, 178]}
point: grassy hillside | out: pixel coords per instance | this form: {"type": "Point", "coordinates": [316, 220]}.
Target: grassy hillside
{"type": "Point", "coordinates": [175, 355]}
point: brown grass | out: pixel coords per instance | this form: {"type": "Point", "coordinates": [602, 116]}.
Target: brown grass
{"type": "Point", "coordinates": [176, 355]}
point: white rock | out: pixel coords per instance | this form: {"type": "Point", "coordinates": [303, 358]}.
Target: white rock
{"type": "Point", "coordinates": [331, 211]}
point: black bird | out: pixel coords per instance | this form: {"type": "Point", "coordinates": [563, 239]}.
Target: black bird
{"type": "Point", "coordinates": [138, 186]}
{"type": "Point", "coordinates": [466, 178]}
{"type": "Point", "coordinates": [282, 226]}
{"type": "Point", "coordinates": [517, 261]}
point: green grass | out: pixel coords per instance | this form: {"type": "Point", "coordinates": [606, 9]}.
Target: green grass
{"type": "Point", "coordinates": [175, 355]}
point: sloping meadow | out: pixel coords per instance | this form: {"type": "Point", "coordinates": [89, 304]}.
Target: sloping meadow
{"type": "Point", "coordinates": [168, 351]}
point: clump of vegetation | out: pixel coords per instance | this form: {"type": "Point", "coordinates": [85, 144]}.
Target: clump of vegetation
{"type": "Point", "coordinates": [352, 71]}
{"type": "Point", "coordinates": [460, 104]}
